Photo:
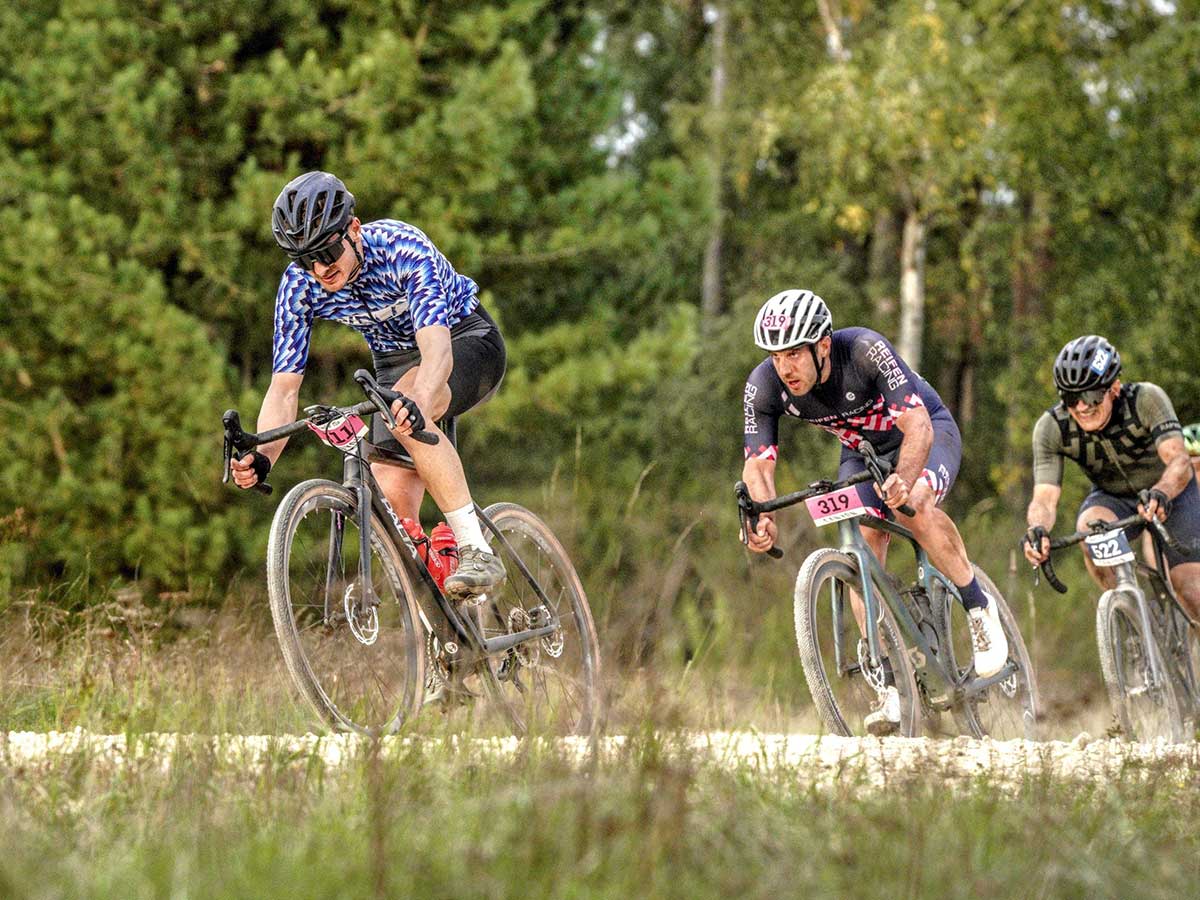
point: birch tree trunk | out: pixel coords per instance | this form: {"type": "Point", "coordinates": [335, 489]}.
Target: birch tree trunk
{"type": "Point", "coordinates": [912, 289]}
{"type": "Point", "coordinates": [883, 269]}
{"type": "Point", "coordinates": [711, 300]}
{"type": "Point", "coordinates": [833, 30]}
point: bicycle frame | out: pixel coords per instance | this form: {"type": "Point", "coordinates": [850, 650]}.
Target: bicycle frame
{"type": "Point", "coordinates": [357, 477]}
{"type": "Point", "coordinates": [928, 658]}
{"type": "Point", "coordinates": [1128, 583]}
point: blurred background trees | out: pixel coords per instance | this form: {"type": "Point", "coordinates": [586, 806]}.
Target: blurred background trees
{"type": "Point", "coordinates": [627, 181]}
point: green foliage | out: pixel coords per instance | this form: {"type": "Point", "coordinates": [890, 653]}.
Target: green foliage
{"type": "Point", "coordinates": [560, 154]}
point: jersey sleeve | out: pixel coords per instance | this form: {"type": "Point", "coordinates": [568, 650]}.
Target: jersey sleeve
{"type": "Point", "coordinates": [760, 434]}
{"type": "Point", "coordinates": [417, 262]}
{"type": "Point", "coordinates": [1156, 412]}
{"type": "Point", "coordinates": [293, 323]}
{"type": "Point", "coordinates": [1047, 451]}
{"type": "Point", "coordinates": [896, 382]}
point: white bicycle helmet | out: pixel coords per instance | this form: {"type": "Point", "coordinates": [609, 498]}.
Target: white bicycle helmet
{"type": "Point", "coordinates": [792, 318]}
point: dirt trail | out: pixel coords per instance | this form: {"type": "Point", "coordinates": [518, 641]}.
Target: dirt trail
{"type": "Point", "coordinates": [810, 759]}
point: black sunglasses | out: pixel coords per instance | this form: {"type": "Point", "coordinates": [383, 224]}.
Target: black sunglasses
{"type": "Point", "coordinates": [1090, 397]}
{"type": "Point", "coordinates": [326, 256]}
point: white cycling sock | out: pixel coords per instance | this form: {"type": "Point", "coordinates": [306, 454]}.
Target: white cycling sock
{"type": "Point", "coordinates": [466, 528]}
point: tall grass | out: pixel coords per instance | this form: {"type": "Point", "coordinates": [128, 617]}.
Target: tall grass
{"type": "Point", "coordinates": [432, 819]}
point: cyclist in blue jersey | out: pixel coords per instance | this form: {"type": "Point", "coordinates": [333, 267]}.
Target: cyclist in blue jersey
{"type": "Point", "coordinates": [852, 383]}
{"type": "Point", "coordinates": [429, 337]}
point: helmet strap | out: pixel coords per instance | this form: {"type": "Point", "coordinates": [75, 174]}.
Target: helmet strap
{"type": "Point", "coordinates": [358, 265]}
{"type": "Point", "coordinates": [818, 366]}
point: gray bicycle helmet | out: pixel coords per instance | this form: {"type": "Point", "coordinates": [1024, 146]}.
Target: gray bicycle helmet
{"type": "Point", "coordinates": [1085, 363]}
{"type": "Point", "coordinates": [309, 211]}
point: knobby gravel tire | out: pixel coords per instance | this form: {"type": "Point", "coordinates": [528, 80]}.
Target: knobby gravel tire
{"type": "Point", "coordinates": [818, 569]}
{"type": "Point", "coordinates": [1118, 633]}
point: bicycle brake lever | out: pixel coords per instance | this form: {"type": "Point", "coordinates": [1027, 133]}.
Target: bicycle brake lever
{"type": "Point", "coordinates": [237, 443]}
{"type": "Point", "coordinates": [383, 400]}
{"type": "Point", "coordinates": [748, 520]}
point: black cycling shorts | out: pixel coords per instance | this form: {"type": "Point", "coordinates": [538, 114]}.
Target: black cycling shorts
{"type": "Point", "coordinates": [479, 362]}
{"type": "Point", "coordinates": [1183, 523]}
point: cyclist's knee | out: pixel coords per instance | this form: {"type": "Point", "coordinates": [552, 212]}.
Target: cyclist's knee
{"type": "Point", "coordinates": [1091, 514]}
{"type": "Point", "coordinates": [921, 499]}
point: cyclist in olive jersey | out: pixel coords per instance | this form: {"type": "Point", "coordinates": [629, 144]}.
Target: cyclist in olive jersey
{"type": "Point", "coordinates": [429, 337]}
{"type": "Point", "coordinates": [1127, 439]}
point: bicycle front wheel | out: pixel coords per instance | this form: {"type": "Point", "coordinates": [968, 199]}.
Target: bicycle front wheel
{"type": "Point", "coordinates": [355, 652]}
{"type": "Point", "coordinates": [844, 685]}
{"type": "Point", "coordinates": [549, 684]}
{"type": "Point", "coordinates": [1145, 710]}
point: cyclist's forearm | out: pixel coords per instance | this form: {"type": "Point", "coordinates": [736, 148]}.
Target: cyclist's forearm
{"type": "Point", "coordinates": [1175, 476]}
{"type": "Point", "coordinates": [278, 408]}
{"type": "Point", "coordinates": [914, 449]}
{"type": "Point", "coordinates": [437, 362]}
{"type": "Point", "coordinates": [759, 475]}
{"type": "Point", "coordinates": [1040, 513]}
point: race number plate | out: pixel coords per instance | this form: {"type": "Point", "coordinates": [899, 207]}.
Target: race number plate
{"type": "Point", "coordinates": [1109, 549]}
{"type": "Point", "coordinates": [838, 505]}
{"type": "Point", "coordinates": [341, 432]}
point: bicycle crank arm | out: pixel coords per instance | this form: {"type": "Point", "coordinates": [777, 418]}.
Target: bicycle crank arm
{"type": "Point", "coordinates": [979, 685]}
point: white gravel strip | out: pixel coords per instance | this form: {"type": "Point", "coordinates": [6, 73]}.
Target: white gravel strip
{"type": "Point", "coordinates": [808, 758]}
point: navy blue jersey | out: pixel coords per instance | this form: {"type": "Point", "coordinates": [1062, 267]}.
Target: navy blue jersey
{"type": "Point", "coordinates": [868, 388]}
{"type": "Point", "coordinates": [405, 284]}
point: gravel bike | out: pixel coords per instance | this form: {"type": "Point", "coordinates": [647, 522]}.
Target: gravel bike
{"type": "Point", "coordinates": [1149, 650]}
{"type": "Point", "coordinates": [367, 636]}
{"type": "Point", "coordinates": [917, 631]}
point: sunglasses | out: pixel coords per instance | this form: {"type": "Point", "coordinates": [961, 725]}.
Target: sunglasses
{"type": "Point", "coordinates": [1090, 398]}
{"type": "Point", "coordinates": [326, 256]}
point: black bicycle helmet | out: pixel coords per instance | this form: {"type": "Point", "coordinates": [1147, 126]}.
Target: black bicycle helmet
{"type": "Point", "coordinates": [1085, 363]}
{"type": "Point", "coordinates": [309, 211]}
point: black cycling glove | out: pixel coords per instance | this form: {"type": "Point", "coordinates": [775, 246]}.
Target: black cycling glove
{"type": "Point", "coordinates": [1164, 502]}
{"type": "Point", "coordinates": [1033, 537]}
{"type": "Point", "coordinates": [259, 463]}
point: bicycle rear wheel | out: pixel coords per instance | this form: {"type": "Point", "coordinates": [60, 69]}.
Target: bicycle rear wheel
{"type": "Point", "coordinates": [549, 684]}
{"type": "Point", "coordinates": [1144, 710]}
{"type": "Point", "coordinates": [827, 632]}
{"type": "Point", "coordinates": [1009, 709]}
{"type": "Point", "coordinates": [358, 661]}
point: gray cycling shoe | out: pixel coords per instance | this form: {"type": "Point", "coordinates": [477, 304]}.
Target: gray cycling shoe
{"type": "Point", "coordinates": [478, 572]}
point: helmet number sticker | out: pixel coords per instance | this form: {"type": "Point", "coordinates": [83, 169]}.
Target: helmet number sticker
{"type": "Point", "coordinates": [776, 320]}
{"type": "Point", "coordinates": [1100, 361]}
{"type": "Point", "coordinates": [1109, 549]}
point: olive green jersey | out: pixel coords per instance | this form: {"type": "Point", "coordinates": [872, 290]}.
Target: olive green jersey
{"type": "Point", "coordinates": [1122, 454]}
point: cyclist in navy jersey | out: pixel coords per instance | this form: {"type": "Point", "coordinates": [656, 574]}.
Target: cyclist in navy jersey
{"type": "Point", "coordinates": [852, 383]}
{"type": "Point", "coordinates": [429, 339]}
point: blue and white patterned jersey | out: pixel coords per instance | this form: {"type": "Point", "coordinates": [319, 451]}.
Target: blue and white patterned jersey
{"type": "Point", "coordinates": [405, 284]}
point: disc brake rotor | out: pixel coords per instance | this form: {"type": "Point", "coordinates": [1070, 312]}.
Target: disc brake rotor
{"type": "Point", "coordinates": [873, 675]}
{"type": "Point", "coordinates": [519, 620]}
{"type": "Point", "coordinates": [364, 623]}
{"type": "Point", "coordinates": [553, 642]}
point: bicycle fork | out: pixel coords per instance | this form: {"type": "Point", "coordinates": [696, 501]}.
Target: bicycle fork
{"type": "Point", "coordinates": [1127, 583]}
